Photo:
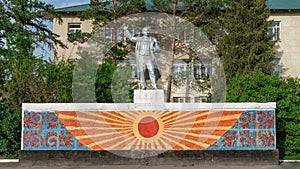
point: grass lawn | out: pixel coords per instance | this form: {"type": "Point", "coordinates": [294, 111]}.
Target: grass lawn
{"type": "Point", "coordinates": [296, 157]}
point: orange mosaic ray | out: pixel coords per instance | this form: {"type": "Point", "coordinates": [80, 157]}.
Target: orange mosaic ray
{"type": "Point", "coordinates": [151, 130]}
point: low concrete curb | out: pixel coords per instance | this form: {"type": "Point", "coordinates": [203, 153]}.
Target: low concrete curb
{"type": "Point", "coordinates": [9, 160]}
{"type": "Point", "coordinates": [289, 161]}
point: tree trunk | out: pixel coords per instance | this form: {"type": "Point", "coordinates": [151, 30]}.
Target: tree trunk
{"type": "Point", "coordinates": [170, 77]}
{"type": "Point", "coordinates": [115, 31]}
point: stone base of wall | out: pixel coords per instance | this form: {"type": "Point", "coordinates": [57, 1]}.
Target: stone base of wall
{"type": "Point", "coordinates": [174, 158]}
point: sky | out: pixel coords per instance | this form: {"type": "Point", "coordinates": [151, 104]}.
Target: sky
{"type": "Point", "coordinates": [48, 54]}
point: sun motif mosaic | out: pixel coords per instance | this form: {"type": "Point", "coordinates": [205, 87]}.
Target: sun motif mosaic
{"type": "Point", "coordinates": [148, 130]}
{"type": "Point", "coordinates": [117, 130]}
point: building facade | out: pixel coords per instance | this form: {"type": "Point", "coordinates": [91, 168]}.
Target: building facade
{"type": "Point", "coordinates": [286, 27]}
{"type": "Point", "coordinates": [285, 17]}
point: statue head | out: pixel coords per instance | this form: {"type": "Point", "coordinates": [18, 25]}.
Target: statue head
{"type": "Point", "coordinates": [145, 31]}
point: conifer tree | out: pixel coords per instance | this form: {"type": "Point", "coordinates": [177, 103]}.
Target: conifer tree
{"type": "Point", "coordinates": [102, 12]}
{"type": "Point", "coordinates": [245, 46]}
{"type": "Point", "coordinates": [28, 17]}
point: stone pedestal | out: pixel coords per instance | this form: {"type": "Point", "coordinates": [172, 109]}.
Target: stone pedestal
{"type": "Point", "coordinates": [149, 96]}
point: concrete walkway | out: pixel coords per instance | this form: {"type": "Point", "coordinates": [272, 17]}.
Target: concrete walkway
{"type": "Point", "coordinates": [281, 166]}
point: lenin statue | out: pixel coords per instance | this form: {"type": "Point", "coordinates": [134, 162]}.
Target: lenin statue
{"type": "Point", "coordinates": [145, 48]}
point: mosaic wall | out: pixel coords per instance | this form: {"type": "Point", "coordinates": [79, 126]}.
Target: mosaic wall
{"type": "Point", "coordinates": [151, 130]}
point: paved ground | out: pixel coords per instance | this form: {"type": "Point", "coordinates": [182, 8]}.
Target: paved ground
{"type": "Point", "coordinates": [281, 166]}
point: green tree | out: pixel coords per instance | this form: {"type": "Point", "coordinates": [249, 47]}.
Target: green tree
{"type": "Point", "coordinates": [48, 83]}
{"type": "Point", "coordinates": [103, 12]}
{"type": "Point", "coordinates": [122, 85]}
{"type": "Point", "coordinates": [27, 79]}
{"type": "Point", "coordinates": [2, 71]}
{"type": "Point", "coordinates": [245, 46]}
{"type": "Point", "coordinates": [113, 84]}
{"type": "Point", "coordinates": [258, 87]}
{"type": "Point", "coordinates": [84, 78]}
{"type": "Point", "coordinates": [58, 82]}
{"type": "Point", "coordinates": [10, 131]}
{"type": "Point", "coordinates": [24, 77]}
{"type": "Point", "coordinates": [28, 18]}
{"type": "Point", "coordinates": [103, 85]}
{"type": "Point", "coordinates": [19, 71]}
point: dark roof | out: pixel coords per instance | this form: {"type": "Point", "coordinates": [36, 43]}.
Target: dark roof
{"type": "Point", "coordinates": [271, 4]}
{"type": "Point", "coordinates": [76, 8]}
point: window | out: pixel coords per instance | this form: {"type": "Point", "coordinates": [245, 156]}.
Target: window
{"type": "Point", "coordinates": [186, 35]}
{"type": "Point", "coordinates": [201, 69]}
{"type": "Point", "coordinates": [181, 66]}
{"type": "Point", "coordinates": [200, 99]}
{"type": "Point", "coordinates": [181, 99]}
{"type": "Point", "coordinates": [72, 60]}
{"type": "Point", "coordinates": [73, 27]}
{"type": "Point", "coordinates": [275, 31]}
{"type": "Point", "coordinates": [110, 34]}
{"type": "Point", "coordinates": [120, 34]}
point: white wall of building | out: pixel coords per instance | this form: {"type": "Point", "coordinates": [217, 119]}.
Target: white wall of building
{"type": "Point", "coordinates": [62, 29]}
{"type": "Point", "coordinates": [288, 48]}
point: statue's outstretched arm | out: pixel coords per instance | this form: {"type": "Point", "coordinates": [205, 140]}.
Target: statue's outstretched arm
{"type": "Point", "coordinates": [128, 34]}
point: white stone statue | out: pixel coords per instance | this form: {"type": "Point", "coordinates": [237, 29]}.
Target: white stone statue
{"type": "Point", "coordinates": [145, 48]}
